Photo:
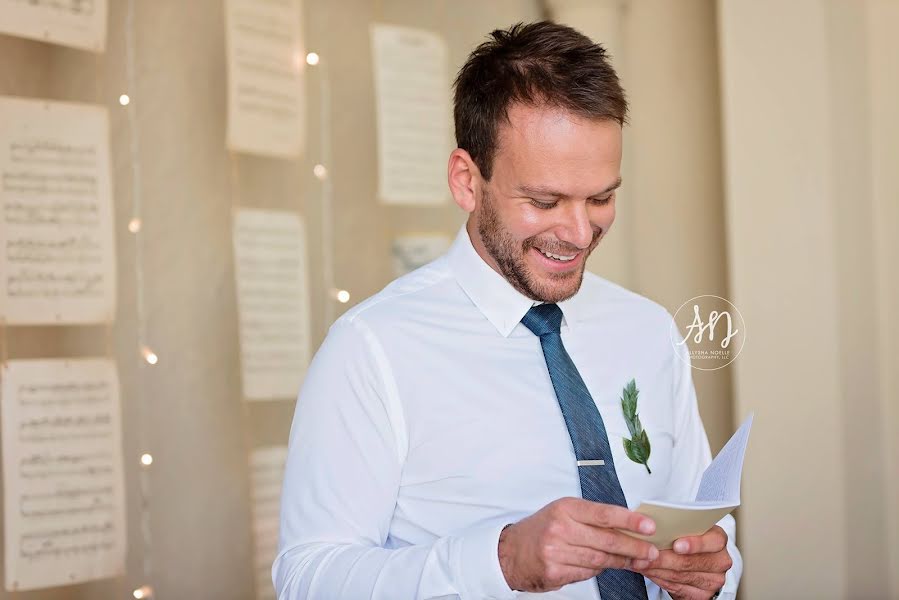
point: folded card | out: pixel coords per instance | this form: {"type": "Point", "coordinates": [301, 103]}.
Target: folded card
{"type": "Point", "coordinates": [718, 495]}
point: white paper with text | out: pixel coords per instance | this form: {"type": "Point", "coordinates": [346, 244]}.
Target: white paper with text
{"type": "Point", "coordinates": [77, 23]}
{"type": "Point", "coordinates": [63, 488]}
{"type": "Point", "coordinates": [272, 302]}
{"type": "Point", "coordinates": [266, 63]}
{"type": "Point", "coordinates": [718, 495]}
{"type": "Point", "coordinates": [412, 91]}
{"type": "Point", "coordinates": [57, 248]}
{"type": "Point", "coordinates": [266, 477]}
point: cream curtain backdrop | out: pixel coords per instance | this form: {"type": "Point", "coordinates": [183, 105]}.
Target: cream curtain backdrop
{"type": "Point", "coordinates": [811, 126]}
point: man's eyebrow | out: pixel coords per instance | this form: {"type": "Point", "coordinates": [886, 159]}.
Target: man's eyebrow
{"type": "Point", "coordinates": [543, 191]}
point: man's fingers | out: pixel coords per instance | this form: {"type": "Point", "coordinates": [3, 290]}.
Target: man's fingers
{"type": "Point", "coordinates": [710, 582]}
{"type": "Point", "coordinates": [709, 563]}
{"type": "Point", "coordinates": [612, 517]}
{"type": "Point", "coordinates": [614, 542]}
{"type": "Point", "coordinates": [682, 591]}
{"type": "Point", "coordinates": [714, 540]}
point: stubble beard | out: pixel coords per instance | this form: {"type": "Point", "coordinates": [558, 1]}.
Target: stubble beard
{"type": "Point", "coordinates": [510, 257]}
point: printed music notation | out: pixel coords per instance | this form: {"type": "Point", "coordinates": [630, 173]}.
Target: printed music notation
{"type": "Point", "coordinates": [78, 7]}
{"type": "Point", "coordinates": [413, 114]}
{"type": "Point", "coordinates": [76, 23]}
{"type": "Point", "coordinates": [272, 300]}
{"type": "Point", "coordinates": [39, 545]}
{"type": "Point", "coordinates": [265, 77]}
{"type": "Point", "coordinates": [56, 242]}
{"type": "Point", "coordinates": [266, 476]}
{"type": "Point", "coordinates": [62, 470]}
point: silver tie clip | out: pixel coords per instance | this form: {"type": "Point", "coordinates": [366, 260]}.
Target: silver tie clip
{"type": "Point", "coordinates": [591, 463]}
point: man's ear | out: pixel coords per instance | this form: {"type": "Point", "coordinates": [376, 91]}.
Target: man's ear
{"type": "Point", "coordinates": [464, 180]}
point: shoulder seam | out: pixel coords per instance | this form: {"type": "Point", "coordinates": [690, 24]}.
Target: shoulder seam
{"type": "Point", "coordinates": [375, 301]}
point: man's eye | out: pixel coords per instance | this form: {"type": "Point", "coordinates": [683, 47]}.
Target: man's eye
{"type": "Point", "coordinates": [542, 205]}
{"type": "Point", "coordinates": [602, 201]}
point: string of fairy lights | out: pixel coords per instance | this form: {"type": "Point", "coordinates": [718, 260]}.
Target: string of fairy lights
{"type": "Point", "coordinates": [147, 357]}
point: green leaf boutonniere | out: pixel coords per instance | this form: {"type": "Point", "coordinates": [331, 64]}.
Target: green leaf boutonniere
{"type": "Point", "coordinates": [637, 448]}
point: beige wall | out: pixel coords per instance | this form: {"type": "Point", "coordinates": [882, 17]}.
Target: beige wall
{"type": "Point", "coordinates": [806, 88]}
{"type": "Point", "coordinates": [883, 56]}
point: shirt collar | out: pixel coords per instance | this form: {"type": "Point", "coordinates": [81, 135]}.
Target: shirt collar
{"type": "Point", "coordinates": [502, 304]}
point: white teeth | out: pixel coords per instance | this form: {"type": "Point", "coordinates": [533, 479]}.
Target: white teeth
{"type": "Point", "coordinates": [557, 256]}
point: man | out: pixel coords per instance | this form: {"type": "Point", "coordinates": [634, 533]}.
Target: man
{"type": "Point", "coordinates": [461, 434]}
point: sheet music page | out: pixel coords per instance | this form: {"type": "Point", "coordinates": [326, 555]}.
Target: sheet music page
{"type": "Point", "coordinates": [57, 248]}
{"type": "Point", "coordinates": [416, 250]}
{"type": "Point", "coordinates": [64, 498]}
{"type": "Point", "coordinates": [266, 477]}
{"type": "Point", "coordinates": [266, 107]}
{"type": "Point", "coordinates": [412, 91]}
{"type": "Point", "coordinates": [77, 23]}
{"type": "Point", "coordinates": [272, 302]}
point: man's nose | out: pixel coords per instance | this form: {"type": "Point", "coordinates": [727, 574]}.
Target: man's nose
{"type": "Point", "coordinates": [574, 226]}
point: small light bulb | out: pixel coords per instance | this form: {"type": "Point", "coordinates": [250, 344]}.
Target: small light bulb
{"type": "Point", "coordinates": [320, 171]}
{"type": "Point", "coordinates": [134, 225]}
{"type": "Point", "coordinates": [144, 591]}
{"type": "Point", "coordinates": [312, 59]}
{"type": "Point", "coordinates": [149, 356]}
{"type": "Point", "coordinates": [146, 459]}
{"type": "Point", "coordinates": [343, 296]}
{"type": "Point", "coordinates": [124, 100]}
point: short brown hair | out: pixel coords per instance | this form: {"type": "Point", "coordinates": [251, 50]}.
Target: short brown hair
{"type": "Point", "coordinates": [535, 63]}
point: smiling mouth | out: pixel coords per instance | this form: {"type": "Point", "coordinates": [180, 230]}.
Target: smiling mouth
{"type": "Point", "coordinates": [562, 258]}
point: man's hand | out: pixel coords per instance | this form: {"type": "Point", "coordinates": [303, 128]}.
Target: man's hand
{"type": "Point", "coordinates": [694, 569]}
{"type": "Point", "coordinates": [571, 539]}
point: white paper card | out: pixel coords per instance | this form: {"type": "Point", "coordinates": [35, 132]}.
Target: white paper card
{"type": "Point", "coordinates": [265, 77]}
{"type": "Point", "coordinates": [76, 23]}
{"type": "Point", "coordinates": [57, 249]}
{"type": "Point", "coordinates": [266, 477]}
{"type": "Point", "coordinates": [718, 495]}
{"type": "Point", "coordinates": [721, 480]}
{"type": "Point", "coordinates": [272, 302]}
{"type": "Point", "coordinates": [412, 90]}
{"type": "Point", "coordinates": [416, 250]}
{"type": "Point", "coordinates": [64, 498]}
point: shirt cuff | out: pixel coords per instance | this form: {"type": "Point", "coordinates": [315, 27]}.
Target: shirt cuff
{"type": "Point", "coordinates": [480, 566]}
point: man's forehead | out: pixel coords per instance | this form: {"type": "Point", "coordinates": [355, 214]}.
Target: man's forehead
{"type": "Point", "coordinates": [525, 120]}
{"type": "Point", "coordinates": [540, 128]}
{"type": "Point", "coordinates": [540, 144]}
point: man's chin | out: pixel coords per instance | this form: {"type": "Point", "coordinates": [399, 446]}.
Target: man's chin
{"type": "Point", "coordinates": [554, 290]}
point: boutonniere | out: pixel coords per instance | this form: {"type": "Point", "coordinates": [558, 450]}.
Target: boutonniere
{"type": "Point", "coordinates": [637, 448]}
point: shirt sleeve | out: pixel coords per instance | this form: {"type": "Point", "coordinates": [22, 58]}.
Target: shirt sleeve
{"type": "Point", "coordinates": [341, 482]}
{"type": "Point", "coordinates": [691, 457]}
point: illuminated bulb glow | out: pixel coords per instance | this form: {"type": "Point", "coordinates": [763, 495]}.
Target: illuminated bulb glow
{"type": "Point", "coordinates": [134, 225]}
{"type": "Point", "coordinates": [320, 171]}
{"type": "Point", "coordinates": [142, 592]}
{"type": "Point", "coordinates": [343, 296]}
{"type": "Point", "coordinates": [146, 459]}
{"type": "Point", "coordinates": [312, 58]}
{"type": "Point", "coordinates": [124, 100]}
{"type": "Point", "coordinates": [150, 356]}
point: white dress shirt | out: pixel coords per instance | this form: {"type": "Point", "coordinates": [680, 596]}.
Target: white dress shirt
{"type": "Point", "coordinates": [427, 421]}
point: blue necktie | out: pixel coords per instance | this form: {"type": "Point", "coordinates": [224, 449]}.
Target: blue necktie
{"type": "Point", "coordinates": [588, 436]}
